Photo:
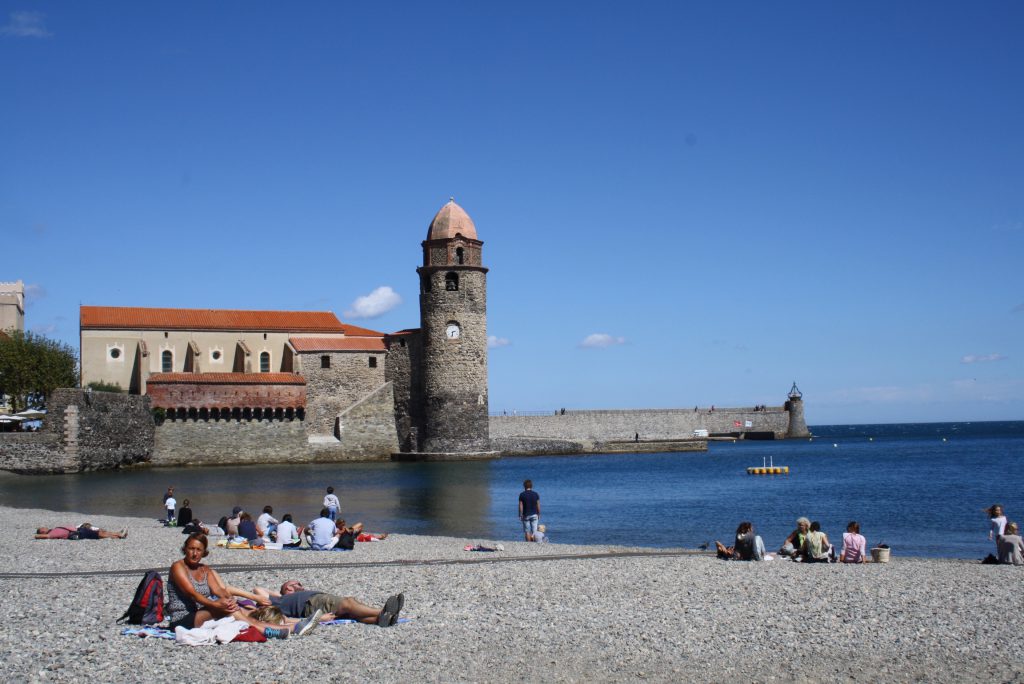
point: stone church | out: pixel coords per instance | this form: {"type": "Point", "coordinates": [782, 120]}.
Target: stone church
{"type": "Point", "coordinates": [302, 385]}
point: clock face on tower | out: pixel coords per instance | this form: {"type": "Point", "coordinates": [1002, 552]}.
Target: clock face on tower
{"type": "Point", "coordinates": [453, 331]}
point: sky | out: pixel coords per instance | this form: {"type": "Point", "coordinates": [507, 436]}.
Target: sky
{"type": "Point", "coordinates": [681, 203]}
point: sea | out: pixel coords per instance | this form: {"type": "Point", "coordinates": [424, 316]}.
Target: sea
{"type": "Point", "coordinates": [920, 488]}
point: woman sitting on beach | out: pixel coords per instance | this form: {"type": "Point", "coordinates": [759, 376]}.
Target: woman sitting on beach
{"type": "Point", "coordinates": [287, 534]}
{"type": "Point", "coordinates": [748, 546]}
{"type": "Point", "coordinates": [247, 528]}
{"type": "Point", "coordinates": [791, 547]}
{"type": "Point", "coordinates": [184, 514]}
{"type": "Point", "coordinates": [1011, 547]}
{"type": "Point", "coordinates": [816, 547]}
{"type": "Point", "coordinates": [854, 545]}
{"type": "Point", "coordinates": [196, 593]}
{"type": "Point", "coordinates": [997, 523]}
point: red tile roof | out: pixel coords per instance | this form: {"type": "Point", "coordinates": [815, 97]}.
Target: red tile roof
{"type": "Point", "coordinates": [317, 344]}
{"type": "Point", "coordinates": [407, 331]}
{"type": "Point", "coordinates": [356, 331]}
{"type": "Point", "coordinates": [227, 379]}
{"type": "Point", "coordinates": [136, 318]}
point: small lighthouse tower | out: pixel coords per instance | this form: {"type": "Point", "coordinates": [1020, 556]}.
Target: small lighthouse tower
{"type": "Point", "coordinates": [453, 321]}
{"type": "Point", "coordinates": [795, 407]}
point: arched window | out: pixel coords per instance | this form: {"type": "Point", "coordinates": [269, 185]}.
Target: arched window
{"type": "Point", "coordinates": [167, 361]}
{"type": "Point", "coordinates": [426, 283]}
{"type": "Point", "coordinates": [459, 255]}
{"type": "Point", "coordinates": [451, 282]}
{"type": "Point", "coordinates": [264, 362]}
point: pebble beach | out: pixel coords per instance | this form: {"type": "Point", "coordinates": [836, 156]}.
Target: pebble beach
{"type": "Point", "coordinates": [531, 612]}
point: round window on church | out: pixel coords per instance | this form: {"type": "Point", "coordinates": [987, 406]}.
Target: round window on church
{"type": "Point", "coordinates": [215, 355]}
{"type": "Point", "coordinates": [115, 353]}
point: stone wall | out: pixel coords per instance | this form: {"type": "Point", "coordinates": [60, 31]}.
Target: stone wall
{"type": "Point", "coordinates": [405, 359]}
{"type": "Point", "coordinates": [229, 442]}
{"type": "Point", "coordinates": [83, 431]}
{"type": "Point", "coordinates": [366, 430]}
{"type": "Point", "coordinates": [366, 433]}
{"type": "Point", "coordinates": [329, 391]}
{"type": "Point", "coordinates": [651, 424]}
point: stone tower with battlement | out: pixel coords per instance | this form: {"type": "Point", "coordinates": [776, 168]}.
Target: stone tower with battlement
{"type": "Point", "coordinates": [453, 330]}
{"type": "Point", "coordinates": [12, 306]}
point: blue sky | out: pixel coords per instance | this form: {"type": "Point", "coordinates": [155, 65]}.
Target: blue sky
{"type": "Point", "coordinates": [681, 203]}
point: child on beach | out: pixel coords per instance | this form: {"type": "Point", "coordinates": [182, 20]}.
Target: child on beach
{"type": "Point", "coordinates": [332, 504]}
{"type": "Point", "coordinates": [997, 523]}
{"type": "Point", "coordinates": [541, 535]}
{"type": "Point", "coordinates": [170, 503]}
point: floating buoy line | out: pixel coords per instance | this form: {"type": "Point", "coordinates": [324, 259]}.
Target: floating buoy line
{"type": "Point", "coordinates": [768, 467]}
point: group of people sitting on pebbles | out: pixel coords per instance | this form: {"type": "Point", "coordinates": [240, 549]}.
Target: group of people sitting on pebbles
{"type": "Point", "coordinates": [322, 534]}
{"type": "Point", "coordinates": [806, 544]}
{"type": "Point", "coordinates": [196, 594]}
{"type": "Point", "coordinates": [1006, 535]}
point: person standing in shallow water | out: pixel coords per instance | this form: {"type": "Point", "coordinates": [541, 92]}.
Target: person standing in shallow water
{"type": "Point", "coordinates": [332, 504]}
{"type": "Point", "coordinates": [529, 509]}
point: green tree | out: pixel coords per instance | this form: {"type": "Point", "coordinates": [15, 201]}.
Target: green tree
{"type": "Point", "coordinates": [32, 366]}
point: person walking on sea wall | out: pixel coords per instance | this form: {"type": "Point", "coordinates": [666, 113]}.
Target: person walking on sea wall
{"type": "Point", "coordinates": [529, 509]}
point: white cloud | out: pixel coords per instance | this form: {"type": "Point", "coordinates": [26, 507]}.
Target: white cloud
{"type": "Point", "coordinates": [601, 340]}
{"type": "Point", "coordinates": [982, 358]}
{"type": "Point", "coordinates": [34, 293]}
{"type": "Point", "coordinates": [26, 25]}
{"type": "Point", "coordinates": [494, 342]}
{"type": "Point", "coordinates": [377, 303]}
{"type": "Point", "coordinates": [48, 329]}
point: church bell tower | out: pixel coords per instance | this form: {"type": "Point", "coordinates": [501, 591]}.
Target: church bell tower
{"type": "Point", "coordinates": [453, 324]}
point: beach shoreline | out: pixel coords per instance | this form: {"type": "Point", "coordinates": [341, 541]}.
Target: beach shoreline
{"type": "Point", "coordinates": [614, 618]}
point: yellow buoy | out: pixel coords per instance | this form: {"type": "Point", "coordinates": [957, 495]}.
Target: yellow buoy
{"type": "Point", "coordinates": [768, 470]}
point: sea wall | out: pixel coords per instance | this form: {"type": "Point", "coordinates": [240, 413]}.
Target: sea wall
{"type": "Point", "coordinates": [539, 446]}
{"type": "Point", "coordinates": [363, 432]}
{"type": "Point", "coordinates": [228, 441]}
{"type": "Point", "coordinates": [83, 430]}
{"type": "Point", "coordinates": [585, 427]}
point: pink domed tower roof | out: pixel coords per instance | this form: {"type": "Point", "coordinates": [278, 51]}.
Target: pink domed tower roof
{"type": "Point", "coordinates": [449, 221]}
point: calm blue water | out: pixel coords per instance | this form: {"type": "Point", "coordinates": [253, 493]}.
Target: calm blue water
{"type": "Point", "coordinates": [905, 485]}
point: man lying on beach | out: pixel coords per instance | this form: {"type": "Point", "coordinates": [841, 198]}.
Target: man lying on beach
{"type": "Point", "coordinates": [83, 531]}
{"type": "Point", "coordinates": [295, 601]}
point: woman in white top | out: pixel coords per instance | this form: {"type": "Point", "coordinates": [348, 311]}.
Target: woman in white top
{"type": "Point", "coordinates": [997, 520]}
{"type": "Point", "coordinates": [854, 545]}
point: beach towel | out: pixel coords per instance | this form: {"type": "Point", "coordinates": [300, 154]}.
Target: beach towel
{"type": "Point", "coordinates": [211, 632]}
{"type": "Point", "coordinates": [148, 632]}
{"type": "Point", "coordinates": [162, 633]}
{"type": "Point", "coordinates": [478, 547]}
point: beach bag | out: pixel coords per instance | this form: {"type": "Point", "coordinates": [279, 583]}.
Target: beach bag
{"type": "Point", "coordinates": [147, 608]}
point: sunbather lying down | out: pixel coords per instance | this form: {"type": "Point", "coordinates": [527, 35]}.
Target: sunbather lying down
{"type": "Point", "coordinates": [295, 601]}
{"type": "Point", "coordinates": [83, 531]}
